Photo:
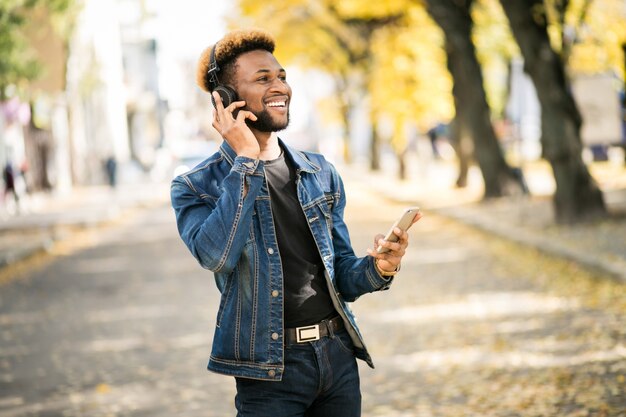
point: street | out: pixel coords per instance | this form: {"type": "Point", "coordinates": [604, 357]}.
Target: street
{"type": "Point", "coordinates": [473, 325]}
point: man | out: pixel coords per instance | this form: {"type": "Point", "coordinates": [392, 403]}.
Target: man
{"type": "Point", "coordinates": [268, 221]}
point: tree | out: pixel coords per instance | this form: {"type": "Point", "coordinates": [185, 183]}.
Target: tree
{"type": "Point", "coordinates": [596, 34]}
{"type": "Point", "coordinates": [577, 196]}
{"type": "Point", "coordinates": [364, 28]}
{"type": "Point", "coordinates": [19, 64]}
{"type": "Point", "coordinates": [410, 86]}
{"type": "Point", "coordinates": [471, 105]}
{"type": "Point", "coordinates": [335, 38]}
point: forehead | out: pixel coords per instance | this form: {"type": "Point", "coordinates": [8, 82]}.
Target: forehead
{"type": "Point", "coordinates": [251, 62]}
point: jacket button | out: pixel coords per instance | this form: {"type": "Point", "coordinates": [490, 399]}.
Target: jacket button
{"type": "Point", "coordinates": [275, 293]}
{"type": "Point", "coordinates": [270, 251]}
{"type": "Point", "coordinates": [271, 373]}
{"type": "Point", "coordinates": [275, 336]}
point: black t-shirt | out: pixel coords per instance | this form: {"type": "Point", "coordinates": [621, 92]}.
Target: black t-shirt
{"type": "Point", "coordinates": [306, 298]}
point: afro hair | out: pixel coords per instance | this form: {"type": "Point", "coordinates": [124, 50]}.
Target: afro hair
{"type": "Point", "coordinates": [228, 49]}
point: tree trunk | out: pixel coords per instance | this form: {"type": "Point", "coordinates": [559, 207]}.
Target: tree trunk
{"type": "Point", "coordinates": [453, 16]}
{"type": "Point", "coordinates": [577, 195]}
{"type": "Point", "coordinates": [345, 119]}
{"type": "Point", "coordinates": [462, 145]}
{"type": "Point", "coordinates": [624, 96]}
{"type": "Point", "coordinates": [374, 146]}
{"type": "Point", "coordinates": [402, 166]}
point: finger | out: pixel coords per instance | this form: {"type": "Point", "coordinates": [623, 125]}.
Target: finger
{"type": "Point", "coordinates": [401, 242]}
{"type": "Point", "coordinates": [244, 114]}
{"type": "Point", "coordinates": [219, 106]}
{"type": "Point", "coordinates": [235, 105]}
{"type": "Point", "coordinates": [394, 249]}
{"type": "Point", "coordinates": [216, 121]}
{"type": "Point", "coordinates": [418, 216]}
{"type": "Point", "coordinates": [373, 252]}
{"type": "Point", "coordinates": [377, 238]}
{"type": "Point", "coordinates": [403, 236]}
{"type": "Point", "coordinates": [222, 115]}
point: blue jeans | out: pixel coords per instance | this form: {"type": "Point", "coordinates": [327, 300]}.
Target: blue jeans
{"type": "Point", "coordinates": [321, 379]}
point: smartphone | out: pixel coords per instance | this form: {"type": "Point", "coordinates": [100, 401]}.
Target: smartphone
{"type": "Point", "coordinates": [404, 222]}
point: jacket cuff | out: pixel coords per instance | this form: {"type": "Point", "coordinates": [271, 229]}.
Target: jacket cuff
{"type": "Point", "coordinates": [380, 283]}
{"type": "Point", "coordinates": [245, 165]}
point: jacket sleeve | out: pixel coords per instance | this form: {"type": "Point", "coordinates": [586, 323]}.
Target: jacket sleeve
{"type": "Point", "coordinates": [354, 276]}
{"type": "Point", "coordinates": [215, 231]}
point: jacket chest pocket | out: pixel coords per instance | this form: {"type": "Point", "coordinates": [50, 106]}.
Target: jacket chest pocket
{"type": "Point", "coordinates": [320, 217]}
{"type": "Point", "coordinates": [326, 209]}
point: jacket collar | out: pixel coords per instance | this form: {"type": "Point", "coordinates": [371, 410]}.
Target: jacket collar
{"type": "Point", "coordinates": [299, 159]}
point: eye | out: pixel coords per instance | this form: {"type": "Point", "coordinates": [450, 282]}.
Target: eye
{"type": "Point", "coordinates": [263, 78]}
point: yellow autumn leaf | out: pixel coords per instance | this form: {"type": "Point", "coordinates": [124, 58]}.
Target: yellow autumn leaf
{"type": "Point", "coordinates": [103, 388]}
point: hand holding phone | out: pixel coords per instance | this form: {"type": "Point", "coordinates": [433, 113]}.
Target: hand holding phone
{"type": "Point", "coordinates": [235, 131]}
{"type": "Point", "coordinates": [404, 223]}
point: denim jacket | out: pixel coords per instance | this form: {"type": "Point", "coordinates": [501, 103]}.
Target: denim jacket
{"type": "Point", "coordinates": [231, 233]}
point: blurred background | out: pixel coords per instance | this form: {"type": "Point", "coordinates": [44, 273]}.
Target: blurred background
{"type": "Point", "coordinates": [97, 92]}
{"type": "Point", "coordinates": [508, 116]}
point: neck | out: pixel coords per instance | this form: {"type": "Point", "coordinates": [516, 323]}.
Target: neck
{"type": "Point", "coordinates": [268, 143]}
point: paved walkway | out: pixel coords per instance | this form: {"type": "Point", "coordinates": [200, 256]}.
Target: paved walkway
{"type": "Point", "coordinates": [49, 217]}
{"type": "Point", "coordinates": [477, 326]}
{"type": "Point", "coordinates": [472, 326]}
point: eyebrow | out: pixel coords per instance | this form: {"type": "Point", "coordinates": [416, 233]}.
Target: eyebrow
{"type": "Point", "coordinates": [266, 71]}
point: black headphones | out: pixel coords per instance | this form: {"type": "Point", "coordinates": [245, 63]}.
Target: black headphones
{"type": "Point", "coordinates": [227, 94]}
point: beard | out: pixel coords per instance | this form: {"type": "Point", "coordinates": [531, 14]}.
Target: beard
{"type": "Point", "coordinates": [265, 123]}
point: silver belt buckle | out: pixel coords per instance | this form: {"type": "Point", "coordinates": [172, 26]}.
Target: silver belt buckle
{"type": "Point", "coordinates": [308, 333]}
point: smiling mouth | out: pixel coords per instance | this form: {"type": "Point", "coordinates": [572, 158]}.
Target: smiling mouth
{"type": "Point", "coordinates": [281, 103]}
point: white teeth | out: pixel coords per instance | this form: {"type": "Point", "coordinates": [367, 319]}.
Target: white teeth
{"type": "Point", "coordinates": [276, 104]}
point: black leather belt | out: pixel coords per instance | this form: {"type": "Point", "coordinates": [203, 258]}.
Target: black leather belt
{"type": "Point", "coordinates": [313, 332]}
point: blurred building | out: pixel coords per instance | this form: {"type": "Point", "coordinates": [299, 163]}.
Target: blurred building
{"type": "Point", "coordinates": [597, 97]}
{"type": "Point", "coordinates": [96, 96]}
{"type": "Point", "coordinates": [523, 110]}
{"type": "Point", "coordinates": [121, 87]}
{"type": "Point", "coordinates": [145, 107]}
{"type": "Point", "coordinates": [33, 129]}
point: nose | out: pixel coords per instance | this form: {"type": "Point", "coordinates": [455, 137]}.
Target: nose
{"type": "Point", "coordinates": [281, 86]}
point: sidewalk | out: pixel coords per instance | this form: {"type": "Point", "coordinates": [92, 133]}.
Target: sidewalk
{"type": "Point", "coordinates": [527, 220]}
{"type": "Point", "coordinates": [48, 217]}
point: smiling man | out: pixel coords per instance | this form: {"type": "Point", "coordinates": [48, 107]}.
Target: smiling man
{"type": "Point", "coordinates": [267, 219]}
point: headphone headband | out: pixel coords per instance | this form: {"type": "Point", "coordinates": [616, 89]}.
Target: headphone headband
{"type": "Point", "coordinates": [227, 94]}
{"type": "Point", "coordinates": [213, 69]}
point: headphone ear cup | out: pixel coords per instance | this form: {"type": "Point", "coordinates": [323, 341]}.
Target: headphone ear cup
{"type": "Point", "coordinates": [227, 94]}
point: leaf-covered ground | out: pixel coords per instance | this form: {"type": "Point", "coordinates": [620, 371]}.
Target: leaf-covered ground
{"type": "Point", "coordinates": [119, 323]}
{"type": "Point", "coordinates": [483, 327]}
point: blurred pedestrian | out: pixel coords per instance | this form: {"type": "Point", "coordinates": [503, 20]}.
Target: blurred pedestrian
{"type": "Point", "coordinates": [8, 175]}
{"type": "Point", "coordinates": [267, 219]}
{"type": "Point", "coordinates": [110, 166]}
{"type": "Point", "coordinates": [432, 136]}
